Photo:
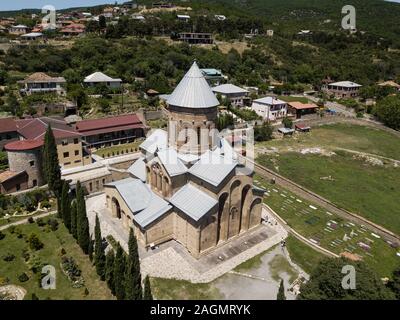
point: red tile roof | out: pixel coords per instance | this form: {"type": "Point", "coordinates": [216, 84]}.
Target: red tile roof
{"type": "Point", "coordinates": [7, 125]}
{"type": "Point", "coordinates": [302, 106]}
{"type": "Point", "coordinates": [125, 122]}
{"type": "Point", "coordinates": [7, 175]}
{"type": "Point", "coordinates": [34, 129]}
{"type": "Point", "coordinates": [23, 145]}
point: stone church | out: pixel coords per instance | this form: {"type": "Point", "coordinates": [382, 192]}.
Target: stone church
{"type": "Point", "coordinates": [188, 184]}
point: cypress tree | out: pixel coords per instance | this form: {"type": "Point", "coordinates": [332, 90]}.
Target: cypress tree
{"type": "Point", "coordinates": [51, 167]}
{"type": "Point", "coordinates": [82, 220]}
{"type": "Point", "coordinates": [91, 249]}
{"type": "Point", "coordinates": [65, 205]}
{"type": "Point", "coordinates": [147, 294]}
{"type": "Point", "coordinates": [99, 254]}
{"type": "Point", "coordinates": [281, 292]}
{"type": "Point", "coordinates": [110, 258]}
{"type": "Point", "coordinates": [119, 273]}
{"type": "Point", "coordinates": [74, 227]}
{"type": "Point", "coordinates": [133, 278]}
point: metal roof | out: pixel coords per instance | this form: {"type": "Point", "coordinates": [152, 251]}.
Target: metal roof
{"type": "Point", "coordinates": [138, 169]}
{"type": "Point", "coordinates": [193, 91]}
{"type": "Point", "coordinates": [269, 101]}
{"type": "Point", "coordinates": [158, 140]}
{"type": "Point", "coordinates": [100, 77]}
{"type": "Point", "coordinates": [346, 84]}
{"type": "Point", "coordinates": [171, 162]}
{"type": "Point", "coordinates": [193, 202]}
{"type": "Point", "coordinates": [213, 167]}
{"type": "Point", "coordinates": [228, 88]}
{"type": "Point", "coordinates": [144, 204]}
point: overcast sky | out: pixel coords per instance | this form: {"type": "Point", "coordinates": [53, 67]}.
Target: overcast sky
{"type": "Point", "coordinates": [58, 4]}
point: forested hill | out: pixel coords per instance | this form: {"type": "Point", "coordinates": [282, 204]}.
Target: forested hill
{"type": "Point", "coordinates": [377, 17]}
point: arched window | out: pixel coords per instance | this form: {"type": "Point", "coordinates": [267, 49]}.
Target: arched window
{"type": "Point", "coordinates": [198, 135]}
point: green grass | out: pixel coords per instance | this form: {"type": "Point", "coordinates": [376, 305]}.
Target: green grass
{"type": "Point", "coordinates": [292, 99]}
{"type": "Point", "coordinates": [279, 264]}
{"type": "Point", "coordinates": [118, 149]}
{"type": "Point", "coordinates": [53, 241]}
{"type": "Point", "coordinates": [367, 190]}
{"type": "Point", "coordinates": [254, 262]}
{"type": "Point", "coordinates": [170, 289]}
{"type": "Point", "coordinates": [303, 255]}
{"type": "Point", "coordinates": [313, 224]}
{"type": "Point", "coordinates": [348, 136]}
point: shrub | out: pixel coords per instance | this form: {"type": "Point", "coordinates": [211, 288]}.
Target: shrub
{"type": "Point", "coordinates": [23, 277]}
{"type": "Point", "coordinates": [12, 229]}
{"type": "Point", "coordinates": [34, 242]}
{"type": "Point", "coordinates": [63, 252]}
{"type": "Point", "coordinates": [31, 220]}
{"type": "Point", "coordinates": [40, 222]}
{"type": "Point", "coordinates": [8, 257]}
{"type": "Point", "coordinates": [287, 123]}
{"type": "Point", "coordinates": [46, 204]}
{"type": "Point", "coordinates": [34, 297]}
{"type": "Point", "coordinates": [25, 254]}
{"type": "Point", "coordinates": [53, 223]}
{"type": "Point", "coordinates": [2, 235]}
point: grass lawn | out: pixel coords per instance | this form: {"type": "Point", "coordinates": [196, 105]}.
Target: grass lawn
{"type": "Point", "coordinates": [301, 254]}
{"type": "Point", "coordinates": [280, 264]}
{"type": "Point", "coordinates": [348, 136]}
{"type": "Point", "coordinates": [292, 99]}
{"type": "Point", "coordinates": [170, 289]}
{"type": "Point", "coordinates": [254, 262]}
{"type": "Point", "coordinates": [118, 149]}
{"type": "Point", "coordinates": [4, 221]}
{"type": "Point", "coordinates": [370, 191]}
{"type": "Point", "coordinates": [328, 230]}
{"type": "Point", "coordinates": [50, 254]}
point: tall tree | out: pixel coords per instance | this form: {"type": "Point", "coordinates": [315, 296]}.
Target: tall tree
{"type": "Point", "coordinates": [99, 253]}
{"type": "Point", "coordinates": [133, 278]}
{"type": "Point", "coordinates": [51, 167]}
{"type": "Point", "coordinates": [110, 258]}
{"type": "Point", "coordinates": [82, 220]}
{"type": "Point", "coordinates": [91, 249]}
{"type": "Point", "coordinates": [394, 283]}
{"type": "Point", "coordinates": [281, 292]}
{"type": "Point", "coordinates": [65, 205]}
{"type": "Point", "coordinates": [74, 227]}
{"type": "Point", "coordinates": [119, 273]}
{"type": "Point", "coordinates": [147, 294]}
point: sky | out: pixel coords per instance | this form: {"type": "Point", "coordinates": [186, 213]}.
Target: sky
{"type": "Point", "coordinates": [58, 4]}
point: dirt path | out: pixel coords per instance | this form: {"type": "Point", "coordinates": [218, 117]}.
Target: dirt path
{"type": "Point", "coordinates": [23, 221]}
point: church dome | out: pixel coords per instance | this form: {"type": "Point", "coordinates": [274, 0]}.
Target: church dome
{"type": "Point", "coordinates": [193, 91]}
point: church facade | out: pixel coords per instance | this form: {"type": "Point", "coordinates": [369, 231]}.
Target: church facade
{"type": "Point", "coordinates": [188, 184]}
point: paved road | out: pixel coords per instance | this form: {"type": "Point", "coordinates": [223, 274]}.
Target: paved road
{"type": "Point", "coordinates": [19, 222]}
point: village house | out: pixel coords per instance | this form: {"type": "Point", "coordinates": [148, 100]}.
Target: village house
{"type": "Point", "coordinates": [18, 30]}
{"type": "Point", "coordinates": [299, 109]}
{"type": "Point", "coordinates": [99, 78]}
{"type": "Point", "coordinates": [110, 131]}
{"type": "Point", "coordinates": [196, 193]}
{"type": "Point", "coordinates": [237, 96]}
{"type": "Point", "coordinates": [342, 89]}
{"type": "Point", "coordinates": [73, 29]}
{"type": "Point", "coordinates": [32, 36]}
{"type": "Point", "coordinates": [270, 108]}
{"type": "Point", "coordinates": [40, 82]}
{"type": "Point", "coordinates": [196, 38]}
{"type": "Point", "coordinates": [8, 131]}
{"type": "Point", "coordinates": [213, 76]}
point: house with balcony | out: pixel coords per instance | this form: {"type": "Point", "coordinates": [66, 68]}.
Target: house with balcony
{"type": "Point", "coordinates": [196, 38]}
{"type": "Point", "coordinates": [237, 96]}
{"type": "Point", "coordinates": [40, 82]}
{"type": "Point", "coordinates": [99, 78]}
{"type": "Point", "coordinates": [342, 89]}
{"type": "Point", "coordinates": [270, 108]}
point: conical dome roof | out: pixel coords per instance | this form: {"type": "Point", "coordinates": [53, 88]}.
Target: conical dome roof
{"type": "Point", "coordinates": [193, 91]}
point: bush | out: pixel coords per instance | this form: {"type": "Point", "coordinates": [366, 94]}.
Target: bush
{"type": "Point", "coordinates": [34, 242]}
{"type": "Point", "coordinates": [25, 254]}
{"type": "Point", "coordinates": [2, 235]}
{"type": "Point", "coordinates": [40, 222]}
{"type": "Point", "coordinates": [23, 277]}
{"type": "Point", "coordinates": [46, 204]}
{"type": "Point", "coordinates": [9, 257]}
{"type": "Point", "coordinates": [53, 223]}
{"type": "Point", "coordinates": [31, 220]}
{"type": "Point", "coordinates": [287, 123]}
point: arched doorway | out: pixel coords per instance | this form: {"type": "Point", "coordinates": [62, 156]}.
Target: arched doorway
{"type": "Point", "coordinates": [255, 213]}
{"type": "Point", "coordinates": [245, 207]}
{"type": "Point", "coordinates": [223, 212]}
{"type": "Point", "coordinates": [234, 207]}
{"type": "Point", "coordinates": [116, 208]}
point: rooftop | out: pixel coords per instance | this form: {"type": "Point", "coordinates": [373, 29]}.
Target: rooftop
{"type": "Point", "coordinates": [7, 125]}
{"type": "Point", "coordinates": [193, 202]}
{"type": "Point", "coordinates": [100, 77]}
{"type": "Point", "coordinates": [23, 145]}
{"type": "Point", "coordinates": [171, 162]}
{"type": "Point", "coordinates": [40, 77]}
{"type": "Point", "coordinates": [346, 84]}
{"type": "Point", "coordinates": [193, 91]}
{"type": "Point", "coordinates": [269, 101]}
{"type": "Point", "coordinates": [228, 88]}
{"type": "Point", "coordinates": [302, 106]}
{"type": "Point", "coordinates": [138, 169]}
{"type": "Point", "coordinates": [6, 175]}
{"type": "Point", "coordinates": [158, 140]}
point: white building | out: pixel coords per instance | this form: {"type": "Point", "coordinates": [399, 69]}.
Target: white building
{"type": "Point", "coordinates": [342, 89]}
{"type": "Point", "coordinates": [236, 95]}
{"type": "Point", "coordinates": [270, 108]}
{"type": "Point", "coordinates": [101, 78]}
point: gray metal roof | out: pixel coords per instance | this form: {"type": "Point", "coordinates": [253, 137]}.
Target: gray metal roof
{"type": "Point", "coordinates": [213, 167]}
{"type": "Point", "coordinates": [138, 169]}
{"type": "Point", "coordinates": [171, 162]}
{"type": "Point", "coordinates": [157, 140]}
{"type": "Point", "coordinates": [100, 77]}
{"type": "Point", "coordinates": [193, 91]}
{"type": "Point", "coordinates": [145, 205]}
{"type": "Point", "coordinates": [193, 202]}
{"type": "Point", "coordinates": [269, 101]}
{"type": "Point", "coordinates": [228, 88]}
{"type": "Point", "coordinates": [346, 84]}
